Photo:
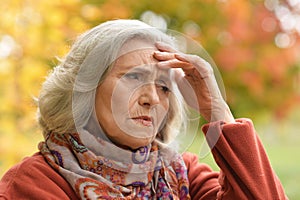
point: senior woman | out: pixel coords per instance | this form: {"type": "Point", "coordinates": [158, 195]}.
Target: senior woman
{"type": "Point", "coordinates": [110, 110]}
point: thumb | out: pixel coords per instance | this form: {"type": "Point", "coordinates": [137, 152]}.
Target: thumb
{"type": "Point", "coordinates": [186, 90]}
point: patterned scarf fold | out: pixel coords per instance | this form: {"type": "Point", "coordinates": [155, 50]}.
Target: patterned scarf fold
{"type": "Point", "coordinates": [101, 170]}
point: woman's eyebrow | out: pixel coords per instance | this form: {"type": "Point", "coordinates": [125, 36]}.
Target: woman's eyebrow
{"type": "Point", "coordinates": [148, 71]}
{"type": "Point", "coordinates": [140, 70]}
{"type": "Point", "coordinates": [165, 78]}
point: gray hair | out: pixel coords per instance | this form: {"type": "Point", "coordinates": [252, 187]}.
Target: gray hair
{"type": "Point", "coordinates": [67, 97]}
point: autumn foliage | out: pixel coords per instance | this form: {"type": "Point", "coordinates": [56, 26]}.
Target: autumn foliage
{"type": "Point", "coordinates": [257, 56]}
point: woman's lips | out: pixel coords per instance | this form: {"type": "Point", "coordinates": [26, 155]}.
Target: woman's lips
{"type": "Point", "coordinates": [143, 120]}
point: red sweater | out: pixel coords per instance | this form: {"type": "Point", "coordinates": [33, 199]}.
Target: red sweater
{"type": "Point", "coordinates": [245, 173]}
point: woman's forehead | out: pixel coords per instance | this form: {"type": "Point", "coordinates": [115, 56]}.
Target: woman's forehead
{"type": "Point", "coordinates": [136, 58]}
{"type": "Point", "coordinates": [141, 60]}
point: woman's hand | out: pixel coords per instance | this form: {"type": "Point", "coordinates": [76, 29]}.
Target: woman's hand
{"type": "Point", "coordinates": [198, 84]}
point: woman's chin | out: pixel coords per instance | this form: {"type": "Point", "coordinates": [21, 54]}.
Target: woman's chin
{"type": "Point", "coordinates": [136, 143]}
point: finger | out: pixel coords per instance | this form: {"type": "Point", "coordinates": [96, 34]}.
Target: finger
{"type": "Point", "coordinates": [202, 66]}
{"type": "Point", "coordinates": [161, 56]}
{"type": "Point", "coordinates": [174, 63]}
{"type": "Point", "coordinates": [165, 47]}
{"type": "Point", "coordinates": [195, 60]}
{"type": "Point", "coordinates": [181, 57]}
{"type": "Point", "coordinates": [179, 75]}
{"type": "Point", "coordinates": [186, 89]}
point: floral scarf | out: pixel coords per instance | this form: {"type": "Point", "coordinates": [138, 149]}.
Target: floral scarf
{"type": "Point", "coordinates": [101, 170]}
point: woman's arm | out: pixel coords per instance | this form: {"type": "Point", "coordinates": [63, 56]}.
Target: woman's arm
{"type": "Point", "coordinates": [246, 172]}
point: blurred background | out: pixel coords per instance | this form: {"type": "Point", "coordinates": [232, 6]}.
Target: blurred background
{"type": "Point", "coordinates": [255, 45]}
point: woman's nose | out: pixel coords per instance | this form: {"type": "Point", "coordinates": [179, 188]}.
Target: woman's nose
{"type": "Point", "coordinates": [149, 95]}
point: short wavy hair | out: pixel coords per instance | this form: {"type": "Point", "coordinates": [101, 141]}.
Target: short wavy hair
{"type": "Point", "coordinates": [67, 97]}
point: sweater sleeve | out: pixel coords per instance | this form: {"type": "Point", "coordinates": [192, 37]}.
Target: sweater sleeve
{"type": "Point", "coordinates": [34, 179]}
{"type": "Point", "coordinates": [245, 170]}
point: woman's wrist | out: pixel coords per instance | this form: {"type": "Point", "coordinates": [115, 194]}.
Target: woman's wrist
{"type": "Point", "coordinates": [220, 113]}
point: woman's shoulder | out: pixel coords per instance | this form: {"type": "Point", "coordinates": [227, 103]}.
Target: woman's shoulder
{"type": "Point", "coordinates": [28, 173]}
{"type": "Point", "coordinates": [36, 160]}
{"type": "Point", "coordinates": [35, 178]}
{"type": "Point", "coordinates": [27, 168]}
{"type": "Point", "coordinates": [28, 164]}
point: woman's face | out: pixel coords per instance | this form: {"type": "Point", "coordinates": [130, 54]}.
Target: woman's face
{"type": "Point", "coordinates": [133, 100]}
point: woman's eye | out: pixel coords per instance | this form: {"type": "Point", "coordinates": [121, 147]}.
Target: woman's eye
{"type": "Point", "coordinates": [133, 76]}
{"type": "Point", "coordinates": [164, 88]}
